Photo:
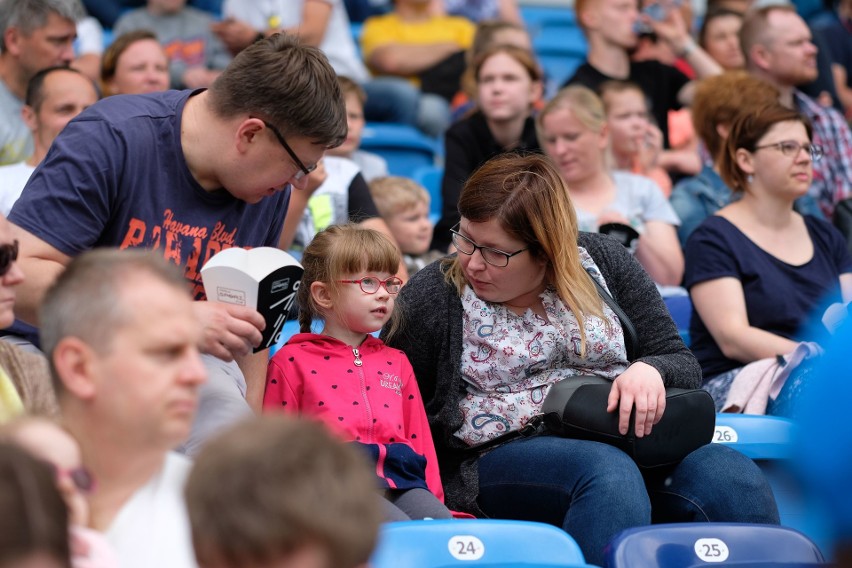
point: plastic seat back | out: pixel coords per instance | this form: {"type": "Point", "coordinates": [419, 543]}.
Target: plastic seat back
{"type": "Point", "coordinates": [685, 545]}
{"type": "Point", "coordinates": [430, 178]}
{"type": "Point", "coordinates": [477, 542]}
{"type": "Point", "coordinates": [404, 147]}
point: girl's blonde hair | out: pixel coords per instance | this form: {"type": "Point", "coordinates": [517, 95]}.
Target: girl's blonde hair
{"type": "Point", "coordinates": [335, 252]}
{"type": "Point", "coordinates": [528, 198]}
{"type": "Point", "coordinates": [585, 106]}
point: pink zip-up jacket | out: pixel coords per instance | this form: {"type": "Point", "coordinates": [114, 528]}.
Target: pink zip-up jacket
{"type": "Point", "coordinates": [367, 394]}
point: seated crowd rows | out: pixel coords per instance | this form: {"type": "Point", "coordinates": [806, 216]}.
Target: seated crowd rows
{"type": "Point", "coordinates": [667, 165]}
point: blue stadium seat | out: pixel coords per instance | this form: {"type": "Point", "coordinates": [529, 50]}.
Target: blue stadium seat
{"type": "Point", "coordinates": [685, 545]}
{"type": "Point", "coordinates": [680, 308]}
{"type": "Point", "coordinates": [404, 147]}
{"type": "Point", "coordinates": [537, 18]}
{"type": "Point", "coordinates": [768, 441]}
{"type": "Point", "coordinates": [476, 542]}
{"type": "Point", "coordinates": [430, 178]}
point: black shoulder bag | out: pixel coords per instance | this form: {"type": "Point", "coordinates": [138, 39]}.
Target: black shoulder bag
{"type": "Point", "coordinates": [575, 407]}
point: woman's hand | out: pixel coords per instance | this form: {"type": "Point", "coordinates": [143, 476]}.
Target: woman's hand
{"type": "Point", "coordinates": [640, 385]}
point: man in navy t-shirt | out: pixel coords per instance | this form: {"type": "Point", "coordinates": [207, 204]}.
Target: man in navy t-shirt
{"type": "Point", "coordinates": [188, 173]}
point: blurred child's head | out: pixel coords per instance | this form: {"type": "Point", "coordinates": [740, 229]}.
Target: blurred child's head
{"type": "Point", "coordinates": [279, 491]}
{"type": "Point", "coordinates": [627, 116]}
{"type": "Point", "coordinates": [343, 252]}
{"type": "Point", "coordinates": [498, 32]}
{"type": "Point", "coordinates": [50, 443]}
{"type": "Point", "coordinates": [33, 515]}
{"type": "Point", "coordinates": [355, 98]}
{"type": "Point", "coordinates": [508, 82]}
{"type": "Point", "coordinates": [404, 205]}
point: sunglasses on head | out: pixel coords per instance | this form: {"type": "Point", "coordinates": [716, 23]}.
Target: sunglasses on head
{"type": "Point", "coordinates": [8, 255]}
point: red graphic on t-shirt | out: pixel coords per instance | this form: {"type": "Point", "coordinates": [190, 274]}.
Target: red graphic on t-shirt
{"type": "Point", "coordinates": [183, 244]}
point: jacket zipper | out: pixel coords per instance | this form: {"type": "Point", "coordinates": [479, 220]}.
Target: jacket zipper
{"type": "Point", "coordinates": [362, 385]}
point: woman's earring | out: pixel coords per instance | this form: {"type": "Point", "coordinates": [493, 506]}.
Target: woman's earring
{"type": "Point", "coordinates": [750, 178]}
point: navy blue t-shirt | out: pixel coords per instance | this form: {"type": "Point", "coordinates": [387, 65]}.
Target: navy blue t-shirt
{"type": "Point", "coordinates": [116, 177]}
{"type": "Point", "coordinates": [780, 298]}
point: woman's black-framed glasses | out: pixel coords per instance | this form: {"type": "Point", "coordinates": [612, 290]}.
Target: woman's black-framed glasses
{"type": "Point", "coordinates": [303, 169]}
{"type": "Point", "coordinates": [370, 284]}
{"type": "Point", "coordinates": [791, 149]}
{"type": "Point", "coordinates": [493, 256]}
{"type": "Point", "coordinates": [8, 255]}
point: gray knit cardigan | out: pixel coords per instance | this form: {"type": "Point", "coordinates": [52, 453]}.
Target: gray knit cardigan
{"type": "Point", "coordinates": [431, 336]}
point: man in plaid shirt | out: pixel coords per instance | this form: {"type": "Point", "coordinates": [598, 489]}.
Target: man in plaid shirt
{"type": "Point", "coordinates": [778, 48]}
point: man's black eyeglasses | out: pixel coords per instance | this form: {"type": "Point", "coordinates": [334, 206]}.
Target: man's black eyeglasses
{"type": "Point", "coordinates": [304, 170]}
{"type": "Point", "coordinates": [8, 255]}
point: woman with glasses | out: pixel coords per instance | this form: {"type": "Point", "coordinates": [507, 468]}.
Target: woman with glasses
{"type": "Point", "coordinates": [487, 332]}
{"type": "Point", "coordinates": [757, 271]}
{"type": "Point", "coordinates": [343, 376]}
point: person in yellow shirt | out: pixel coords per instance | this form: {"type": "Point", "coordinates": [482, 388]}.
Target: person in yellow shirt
{"type": "Point", "coordinates": [428, 49]}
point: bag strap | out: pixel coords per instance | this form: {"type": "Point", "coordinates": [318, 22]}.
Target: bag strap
{"type": "Point", "coordinates": [534, 426]}
{"type": "Point", "coordinates": [631, 338]}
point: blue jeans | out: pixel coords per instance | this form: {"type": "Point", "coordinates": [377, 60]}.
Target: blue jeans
{"type": "Point", "coordinates": [594, 491]}
{"type": "Point", "coordinates": [394, 99]}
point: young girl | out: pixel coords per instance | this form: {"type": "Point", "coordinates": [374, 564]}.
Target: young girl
{"type": "Point", "coordinates": [351, 381]}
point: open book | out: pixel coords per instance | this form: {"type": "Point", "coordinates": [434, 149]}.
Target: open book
{"type": "Point", "coordinates": [263, 278]}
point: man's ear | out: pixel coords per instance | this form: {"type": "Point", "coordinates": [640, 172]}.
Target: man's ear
{"type": "Point", "coordinates": [589, 17]}
{"type": "Point", "coordinates": [75, 362]}
{"type": "Point", "coordinates": [29, 116]}
{"type": "Point", "coordinates": [321, 295]}
{"type": "Point", "coordinates": [247, 132]}
{"type": "Point", "coordinates": [760, 57]}
{"type": "Point", "coordinates": [12, 38]}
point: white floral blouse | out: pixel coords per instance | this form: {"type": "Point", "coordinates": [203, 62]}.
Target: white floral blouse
{"type": "Point", "coordinates": [509, 361]}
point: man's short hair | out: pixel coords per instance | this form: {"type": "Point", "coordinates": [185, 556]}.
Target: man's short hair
{"type": "Point", "coordinates": [29, 15]}
{"type": "Point", "coordinates": [35, 87]}
{"type": "Point", "coordinates": [286, 83]}
{"type": "Point", "coordinates": [273, 485]}
{"type": "Point", "coordinates": [85, 300]}
{"type": "Point", "coordinates": [755, 29]}
{"type": "Point", "coordinates": [395, 194]}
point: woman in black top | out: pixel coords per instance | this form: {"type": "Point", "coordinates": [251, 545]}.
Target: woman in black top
{"type": "Point", "coordinates": [508, 84]}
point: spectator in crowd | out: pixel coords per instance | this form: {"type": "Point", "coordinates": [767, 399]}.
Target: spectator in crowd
{"type": "Point", "coordinates": [36, 34]}
{"type": "Point", "coordinates": [121, 335]}
{"type": "Point", "coordinates": [295, 496]}
{"type": "Point", "coordinates": [366, 393]}
{"type": "Point", "coordinates": [371, 165]}
{"type": "Point", "coordinates": [134, 64]}
{"type": "Point", "coordinates": [637, 144]}
{"type": "Point", "coordinates": [341, 197]}
{"type": "Point", "coordinates": [195, 54]}
{"type": "Point", "coordinates": [55, 95]}
{"type": "Point", "coordinates": [756, 270]}
{"type": "Point", "coordinates": [837, 34]}
{"type": "Point", "coordinates": [481, 10]}
{"type": "Point", "coordinates": [720, 37]}
{"type": "Point", "coordinates": [572, 131]}
{"type": "Point", "coordinates": [518, 306]}
{"type": "Point", "coordinates": [718, 101]}
{"type": "Point", "coordinates": [196, 172]}
{"type": "Point", "coordinates": [323, 24]}
{"type": "Point", "coordinates": [24, 377]}
{"type": "Point", "coordinates": [610, 28]}
{"type": "Point", "coordinates": [89, 47]}
{"type": "Point", "coordinates": [404, 205]}
{"type": "Point", "coordinates": [778, 49]}
{"type": "Point", "coordinates": [412, 43]}
{"type": "Point", "coordinates": [47, 441]}
{"type": "Point", "coordinates": [508, 84]}
{"type": "Point", "coordinates": [488, 34]}
{"type": "Point", "coordinates": [33, 515]}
